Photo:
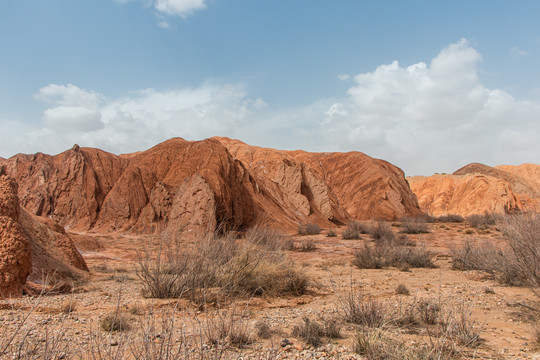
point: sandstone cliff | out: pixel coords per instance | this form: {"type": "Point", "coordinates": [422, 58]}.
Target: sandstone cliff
{"type": "Point", "coordinates": [31, 248]}
{"type": "Point", "coordinates": [183, 185]}
{"type": "Point", "coordinates": [477, 188]}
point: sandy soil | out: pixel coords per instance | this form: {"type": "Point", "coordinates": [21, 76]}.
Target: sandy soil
{"type": "Point", "coordinates": [498, 310]}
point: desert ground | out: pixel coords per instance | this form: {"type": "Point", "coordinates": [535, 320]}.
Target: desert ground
{"type": "Point", "coordinates": [71, 324]}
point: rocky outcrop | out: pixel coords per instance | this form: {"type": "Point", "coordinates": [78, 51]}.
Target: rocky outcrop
{"type": "Point", "coordinates": [204, 185]}
{"type": "Point", "coordinates": [32, 248]}
{"type": "Point", "coordinates": [463, 194]}
{"type": "Point", "coordinates": [15, 251]}
{"type": "Point", "coordinates": [329, 186]}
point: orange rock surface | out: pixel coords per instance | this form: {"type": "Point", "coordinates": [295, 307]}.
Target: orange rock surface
{"type": "Point", "coordinates": [31, 248]}
{"type": "Point", "coordinates": [478, 188]}
{"type": "Point", "coordinates": [183, 185]}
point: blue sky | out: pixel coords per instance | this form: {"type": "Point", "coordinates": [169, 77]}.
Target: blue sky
{"type": "Point", "coordinates": [426, 85]}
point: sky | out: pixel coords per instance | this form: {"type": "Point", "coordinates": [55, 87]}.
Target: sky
{"type": "Point", "coordinates": [429, 86]}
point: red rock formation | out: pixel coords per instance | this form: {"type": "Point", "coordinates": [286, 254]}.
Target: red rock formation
{"type": "Point", "coordinates": [332, 186]}
{"type": "Point", "coordinates": [478, 188]}
{"type": "Point", "coordinates": [31, 248]}
{"type": "Point", "coordinates": [463, 194]}
{"type": "Point", "coordinates": [15, 257]}
{"type": "Point", "coordinates": [181, 185]}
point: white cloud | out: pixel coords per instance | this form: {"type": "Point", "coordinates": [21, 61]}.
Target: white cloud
{"type": "Point", "coordinates": [517, 52]}
{"type": "Point", "coordinates": [74, 109]}
{"type": "Point", "coordinates": [182, 8]}
{"type": "Point", "coordinates": [343, 77]}
{"type": "Point", "coordinates": [433, 116]}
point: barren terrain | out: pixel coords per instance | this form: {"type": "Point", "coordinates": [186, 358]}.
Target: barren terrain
{"type": "Point", "coordinates": [500, 313]}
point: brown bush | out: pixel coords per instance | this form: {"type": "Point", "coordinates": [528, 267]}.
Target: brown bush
{"type": "Point", "coordinates": [453, 218]}
{"type": "Point", "coordinates": [309, 229]}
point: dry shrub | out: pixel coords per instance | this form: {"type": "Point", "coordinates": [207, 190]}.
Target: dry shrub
{"type": "Point", "coordinates": [115, 321]}
{"type": "Point", "coordinates": [354, 229]}
{"type": "Point", "coordinates": [264, 331]}
{"type": "Point", "coordinates": [308, 245]}
{"type": "Point", "coordinates": [382, 232]}
{"type": "Point", "coordinates": [370, 257]}
{"type": "Point", "coordinates": [482, 221]}
{"type": "Point", "coordinates": [228, 328]}
{"type": "Point", "coordinates": [269, 238]}
{"type": "Point", "coordinates": [390, 253]}
{"type": "Point", "coordinates": [309, 229]}
{"type": "Point", "coordinates": [451, 218]}
{"type": "Point", "coordinates": [402, 289]}
{"type": "Point", "coordinates": [500, 263]}
{"type": "Point", "coordinates": [313, 332]}
{"type": "Point", "coordinates": [458, 325]}
{"type": "Point", "coordinates": [255, 265]}
{"type": "Point", "coordinates": [331, 233]}
{"type": "Point", "coordinates": [428, 311]}
{"type": "Point", "coordinates": [411, 225]}
{"type": "Point", "coordinates": [69, 305]}
{"type": "Point", "coordinates": [359, 310]}
{"type": "Point", "coordinates": [522, 232]}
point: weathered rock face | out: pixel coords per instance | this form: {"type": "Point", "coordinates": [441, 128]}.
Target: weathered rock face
{"type": "Point", "coordinates": [463, 194]}
{"type": "Point", "coordinates": [31, 248]}
{"type": "Point", "coordinates": [477, 188]}
{"type": "Point", "coordinates": [181, 185]}
{"type": "Point", "coordinates": [329, 186]}
{"type": "Point", "coordinates": [15, 258]}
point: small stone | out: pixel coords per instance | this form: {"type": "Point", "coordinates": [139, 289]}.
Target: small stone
{"type": "Point", "coordinates": [114, 343]}
{"type": "Point", "coordinates": [285, 342]}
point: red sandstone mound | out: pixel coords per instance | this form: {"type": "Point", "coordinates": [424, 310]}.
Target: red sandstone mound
{"type": "Point", "coordinates": [478, 188]}
{"type": "Point", "coordinates": [180, 185]}
{"type": "Point", "coordinates": [330, 186]}
{"type": "Point", "coordinates": [32, 248]}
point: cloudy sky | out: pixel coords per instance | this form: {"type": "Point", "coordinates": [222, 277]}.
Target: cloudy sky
{"type": "Point", "coordinates": [427, 85]}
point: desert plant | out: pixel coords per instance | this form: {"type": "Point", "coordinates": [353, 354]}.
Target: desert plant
{"type": "Point", "coordinates": [370, 257]}
{"type": "Point", "coordinates": [309, 229]}
{"type": "Point", "coordinates": [413, 227]}
{"type": "Point", "coordinates": [354, 229]}
{"type": "Point", "coordinates": [522, 233]}
{"type": "Point", "coordinates": [115, 321]}
{"type": "Point", "coordinates": [453, 218]}
{"type": "Point", "coordinates": [382, 232]}
{"type": "Point", "coordinates": [307, 246]}
{"type": "Point", "coordinates": [331, 233]}
{"type": "Point", "coordinates": [228, 327]}
{"type": "Point", "coordinates": [359, 310]}
{"type": "Point", "coordinates": [313, 332]}
{"type": "Point", "coordinates": [499, 263]}
{"type": "Point", "coordinates": [428, 311]}
{"type": "Point", "coordinates": [263, 330]}
{"type": "Point", "coordinates": [402, 289]}
{"type": "Point", "coordinates": [310, 331]}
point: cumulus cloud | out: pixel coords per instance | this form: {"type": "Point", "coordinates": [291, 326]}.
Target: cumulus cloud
{"type": "Point", "coordinates": [74, 109]}
{"type": "Point", "coordinates": [182, 8]}
{"type": "Point", "coordinates": [517, 52]}
{"type": "Point", "coordinates": [432, 116]}
{"type": "Point", "coordinates": [133, 122]}
{"type": "Point", "coordinates": [437, 116]}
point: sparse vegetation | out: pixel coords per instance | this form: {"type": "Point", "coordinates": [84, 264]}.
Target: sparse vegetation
{"type": "Point", "coordinates": [115, 321]}
{"type": "Point", "coordinates": [391, 252]}
{"type": "Point", "coordinates": [331, 233]}
{"type": "Point", "coordinates": [309, 229]}
{"type": "Point", "coordinates": [354, 229]}
{"type": "Point", "coordinates": [308, 245]}
{"type": "Point", "coordinates": [451, 218]}
{"type": "Point", "coordinates": [499, 263]}
{"type": "Point", "coordinates": [255, 265]}
{"type": "Point", "coordinates": [414, 226]}
{"type": "Point", "coordinates": [402, 289]}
